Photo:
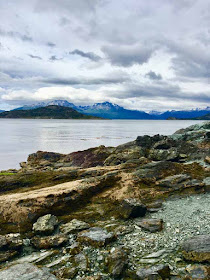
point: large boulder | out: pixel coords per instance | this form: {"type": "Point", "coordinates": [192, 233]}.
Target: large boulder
{"type": "Point", "coordinates": [132, 208]}
{"type": "Point", "coordinates": [45, 224]}
{"type": "Point", "coordinates": [197, 249]}
{"type": "Point", "coordinates": [117, 261]}
{"type": "Point", "coordinates": [96, 236]}
{"type": "Point", "coordinates": [26, 271]}
{"type": "Point", "coordinates": [74, 226]}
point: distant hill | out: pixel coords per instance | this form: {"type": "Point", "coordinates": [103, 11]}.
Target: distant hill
{"type": "Point", "coordinates": [49, 112]}
{"type": "Point", "coordinates": [187, 114]}
{"type": "Point", "coordinates": [1, 111]}
{"type": "Point", "coordinates": [205, 117]}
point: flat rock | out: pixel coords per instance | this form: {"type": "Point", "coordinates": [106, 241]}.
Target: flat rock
{"type": "Point", "coordinates": [49, 241]}
{"type": "Point", "coordinates": [74, 226]}
{"type": "Point", "coordinates": [152, 225]}
{"type": "Point", "coordinates": [197, 249]}
{"type": "Point", "coordinates": [45, 224]}
{"type": "Point", "coordinates": [173, 181]}
{"type": "Point", "coordinates": [154, 272]}
{"type": "Point", "coordinates": [132, 208]}
{"type": "Point", "coordinates": [96, 236]}
{"type": "Point", "coordinates": [26, 271]}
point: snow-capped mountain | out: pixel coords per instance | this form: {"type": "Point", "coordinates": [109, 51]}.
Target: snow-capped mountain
{"type": "Point", "coordinates": [63, 103]}
{"type": "Point", "coordinates": [112, 111]}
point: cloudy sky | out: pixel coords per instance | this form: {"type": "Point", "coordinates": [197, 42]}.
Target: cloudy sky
{"type": "Point", "coordinates": [146, 55]}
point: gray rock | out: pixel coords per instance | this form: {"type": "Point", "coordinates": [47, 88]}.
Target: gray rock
{"type": "Point", "coordinates": [154, 273]}
{"type": "Point", "coordinates": [81, 262]}
{"type": "Point", "coordinates": [74, 226]}
{"type": "Point", "coordinates": [152, 225]}
{"type": "Point", "coordinates": [117, 262]}
{"type": "Point", "coordinates": [198, 272]}
{"type": "Point", "coordinates": [26, 271]}
{"type": "Point", "coordinates": [45, 224]}
{"type": "Point", "coordinates": [132, 208]}
{"type": "Point", "coordinates": [96, 236]}
{"type": "Point", "coordinates": [197, 248]}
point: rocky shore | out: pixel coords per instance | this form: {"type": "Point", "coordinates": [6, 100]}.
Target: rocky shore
{"type": "Point", "coordinates": [137, 211]}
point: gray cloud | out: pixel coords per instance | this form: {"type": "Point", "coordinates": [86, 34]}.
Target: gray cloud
{"type": "Point", "coordinates": [114, 79]}
{"type": "Point", "coordinates": [14, 34]}
{"type": "Point", "coordinates": [50, 44]}
{"type": "Point", "coordinates": [54, 58]}
{"type": "Point", "coordinates": [153, 76]}
{"type": "Point", "coordinates": [90, 55]}
{"type": "Point", "coordinates": [127, 55]}
{"type": "Point", "coordinates": [35, 56]}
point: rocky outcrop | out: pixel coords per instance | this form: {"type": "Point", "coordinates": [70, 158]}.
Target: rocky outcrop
{"type": "Point", "coordinates": [197, 249]}
{"type": "Point", "coordinates": [107, 206]}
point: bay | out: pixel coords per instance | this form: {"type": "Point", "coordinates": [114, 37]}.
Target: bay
{"type": "Point", "coordinates": [21, 137]}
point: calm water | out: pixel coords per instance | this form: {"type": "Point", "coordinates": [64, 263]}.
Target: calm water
{"type": "Point", "coordinates": [21, 137]}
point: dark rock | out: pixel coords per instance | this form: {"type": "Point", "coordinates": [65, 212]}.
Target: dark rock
{"type": "Point", "coordinates": [26, 271]}
{"type": "Point", "coordinates": [97, 237]}
{"type": "Point", "coordinates": [5, 256]}
{"type": "Point", "coordinates": [117, 262]}
{"type": "Point", "coordinates": [45, 224]}
{"type": "Point", "coordinates": [132, 208]}
{"type": "Point", "coordinates": [74, 226]}
{"type": "Point", "coordinates": [154, 273]}
{"type": "Point", "coordinates": [49, 241]}
{"type": "Point", "coordinates": [147, 141]}
{"type": "Point", "coordinates": [152, 225]}
{"type": "Point", "coordinates": [173, 181]}
{"type": "Point", "coordinates": [198, 272]}
{"type": "Point", "coordinates": [197, 249]}
{"type": "Point", "coordinates": [11, 241]}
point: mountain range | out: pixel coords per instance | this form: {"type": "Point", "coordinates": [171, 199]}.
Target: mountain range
{"type": "Point", "coordinates": [114, 111]}
{"type": "Point", "coordinates": [48, 112]}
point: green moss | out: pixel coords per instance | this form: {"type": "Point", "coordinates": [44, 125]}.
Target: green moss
{"type": "Point", "coordinates": [6, 173]}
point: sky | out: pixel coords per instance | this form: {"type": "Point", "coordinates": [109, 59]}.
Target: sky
{"type": "Point", "coordinates": [144, 55]}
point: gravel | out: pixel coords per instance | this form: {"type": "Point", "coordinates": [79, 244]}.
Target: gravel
{"type": "Point", "coordinates": [183, 218]}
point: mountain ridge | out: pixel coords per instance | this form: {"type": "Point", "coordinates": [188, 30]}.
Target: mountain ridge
{"type": "Point", "coordinates": [114, 111]}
